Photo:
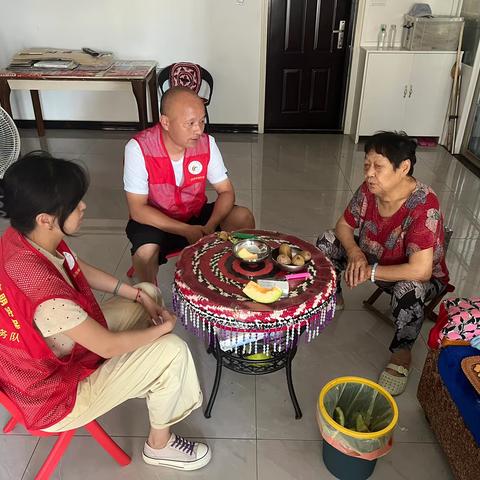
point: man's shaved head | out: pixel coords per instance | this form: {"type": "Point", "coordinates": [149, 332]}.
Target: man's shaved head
{"type": "Point", "coordinates": [177, 96]}
{"type": "Point", "coordinates": [183, 117]}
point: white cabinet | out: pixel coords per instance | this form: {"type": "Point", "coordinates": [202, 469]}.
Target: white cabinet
{"type": "Point", "coordinates": [404, 90]}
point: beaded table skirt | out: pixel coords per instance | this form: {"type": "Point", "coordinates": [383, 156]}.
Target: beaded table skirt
{"type": "Point", "coordinates": [208, 297]}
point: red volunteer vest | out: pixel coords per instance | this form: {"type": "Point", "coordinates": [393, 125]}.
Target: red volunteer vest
{"type": "Point", "coordinates": [43, 387]}
{"type": "Point", "coordinates": [186, 201]}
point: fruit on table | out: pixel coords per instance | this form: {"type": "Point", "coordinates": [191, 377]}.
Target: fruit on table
{"type": "Point", "coordinates": [245, 254]}
{"type": "Point", "coordinates": [262, 294]}
{"type": "Point", "coordinates": [287, 256]}
{"type": "Point", "coordinates": [285, 250]}
{"type": "Point", "coordinates": [306, 255]}
{"type": "Point", "coordinates": [223, 235]}
{"type": "Point", "coordinates": [283, 259]}
{"type": "Point", "coordinates": [298, 260]}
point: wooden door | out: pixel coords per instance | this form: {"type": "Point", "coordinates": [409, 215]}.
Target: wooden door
{"type": "Point", "coordinates": [307, 52]}
{"type": "Point", "coordinates": [428, 93]}
{"type": "Point", "coordinates": [385, 92]}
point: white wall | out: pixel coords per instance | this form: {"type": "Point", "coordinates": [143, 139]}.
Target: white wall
{"type": "Point", "coordinates": [218, 34]}
{"type": "Point", "coordinates": [371, 14]}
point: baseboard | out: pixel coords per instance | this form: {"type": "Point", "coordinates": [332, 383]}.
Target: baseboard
{"type": "Point", "coordinates": [233, 128]}
{"type": "Point", "coordinates": [80, 125]}
{"type": "Point", "coordinates": [130, 126]}
{"type": "Point", "coordinates": [303, 130]}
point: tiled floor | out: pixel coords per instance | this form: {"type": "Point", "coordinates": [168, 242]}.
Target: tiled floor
{"type": "Point", "coordinates": [294, 183]}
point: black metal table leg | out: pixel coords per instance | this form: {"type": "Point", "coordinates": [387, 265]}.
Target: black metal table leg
{"type": "Point", "coordinates": [218, 374]}
{"type": "Point", "coordinates": [238, 363]}
{"type": "Point", "coordinates": [288, 368]}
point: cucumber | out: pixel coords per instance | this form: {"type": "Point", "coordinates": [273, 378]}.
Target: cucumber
{"type": "Point", "coordinates": [339, 416]}
{"type": "Point", "coordinates": [360, 425]}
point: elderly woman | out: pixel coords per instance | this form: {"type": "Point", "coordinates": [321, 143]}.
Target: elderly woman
{"type": "Point", "coordinates": [64, 360]}
{"type": "Point", "coordinates": [400, 244]}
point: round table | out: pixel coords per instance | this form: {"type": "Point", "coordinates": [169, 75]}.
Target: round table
{"type": "Point", "coordinates": [208, 298]}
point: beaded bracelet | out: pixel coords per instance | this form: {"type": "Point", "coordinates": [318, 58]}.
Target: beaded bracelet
{"type": "Point", "coordinates": [137, 297]}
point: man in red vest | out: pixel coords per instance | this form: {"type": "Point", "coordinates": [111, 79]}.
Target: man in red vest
{"type": "Point", "coordinates": [165, 174]}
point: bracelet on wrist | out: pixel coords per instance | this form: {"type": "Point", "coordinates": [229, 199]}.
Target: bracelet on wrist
{"type": "Point", "coordinates": [137, 297]}
{"type": "Point", "coordinates": [372, 273]}
{"type": "Point", "coordinates": [117, 288]}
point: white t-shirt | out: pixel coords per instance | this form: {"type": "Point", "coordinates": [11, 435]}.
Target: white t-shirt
{"type": "Point", "coordinates": [135, 175]}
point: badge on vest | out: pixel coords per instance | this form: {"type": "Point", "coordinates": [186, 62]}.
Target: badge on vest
{"type": "Point", "coordinates": [70, 260]}
{"type": "Point", "coordinates": [195, 167]}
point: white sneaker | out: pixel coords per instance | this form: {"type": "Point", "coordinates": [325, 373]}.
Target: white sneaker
{"type": "Point", "coordinates": [180, 453]}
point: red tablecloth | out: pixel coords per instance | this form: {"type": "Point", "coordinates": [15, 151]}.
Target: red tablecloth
{"type": "Point", "coordinates": [208, 297]}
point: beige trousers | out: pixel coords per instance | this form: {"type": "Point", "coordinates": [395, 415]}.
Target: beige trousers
{"type": "Point", "coordinates": [163, 372]}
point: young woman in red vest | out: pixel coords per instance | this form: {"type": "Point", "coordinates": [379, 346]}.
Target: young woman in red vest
{"type": "Point", "coordinates": [64, 360]}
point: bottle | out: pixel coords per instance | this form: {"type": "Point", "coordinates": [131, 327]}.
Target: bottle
{"type": "Point", "coordinates": [381, 36]}
{"type": "Point", "coordinates": [392, 35]}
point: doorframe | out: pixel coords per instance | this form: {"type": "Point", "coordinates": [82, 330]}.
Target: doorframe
{"type": "Point", "coordinates": [264, 17]}
{"type": "Point", "coordinates": [263, 64]}
{"type": "Point", "coordinates": [469, 125]}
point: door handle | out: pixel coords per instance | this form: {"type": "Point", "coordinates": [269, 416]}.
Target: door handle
{"type": "Point", "coordinates": [341, 34]}
{"type": "Point", "coordinates": [405, 90]}
{"type": "Point", "coordinates": [411, 91]}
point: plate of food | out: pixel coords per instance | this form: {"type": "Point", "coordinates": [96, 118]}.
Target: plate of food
{"type": "Point", "coordinates": [251, 250]}
{"type": "Point", "coordinates": [290, 258]}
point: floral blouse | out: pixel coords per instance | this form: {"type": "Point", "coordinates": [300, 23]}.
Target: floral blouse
{"type": "Point", "coordinates": [417, 225]}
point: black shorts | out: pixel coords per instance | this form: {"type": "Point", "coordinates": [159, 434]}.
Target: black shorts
{"type": "Point", "coordinates": [140, 234]}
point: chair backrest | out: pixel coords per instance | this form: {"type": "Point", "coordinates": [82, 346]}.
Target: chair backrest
{"type": "Point", "coordinates": [185, 74]}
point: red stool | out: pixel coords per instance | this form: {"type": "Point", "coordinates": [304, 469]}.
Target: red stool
{"type": "Point", "coordinates": [64, 438]}
{"type": "Point", "coordinates": [131, 270]}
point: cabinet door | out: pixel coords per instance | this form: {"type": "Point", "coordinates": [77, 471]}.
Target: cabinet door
{"type": "Point", "coordinates": [385, 88]}
{"type": "Point", "coordinates": [428, 93]}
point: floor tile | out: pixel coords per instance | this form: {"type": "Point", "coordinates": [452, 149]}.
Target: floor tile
{"type": "Point", "coordinates": [298, 184]}
{"type": "Point", "coordinates": [306, 213]}
{"type": "Point", "coordinates": [15, 451]}
{"type": "Point", "coordinates": [355, 343]}
{"type": "Point", "coordinates": [232, 458]}
{"type": "Point", "coordinates": [102, 251]}
{"type": "Point", "coordinates": [286, 460]}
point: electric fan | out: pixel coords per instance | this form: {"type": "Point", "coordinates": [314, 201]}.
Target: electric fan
{"type": "Point", "coordinates": [9, 142]}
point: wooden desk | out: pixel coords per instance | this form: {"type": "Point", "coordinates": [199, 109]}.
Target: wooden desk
{"type": "Point", "coordinates": [133, 76]}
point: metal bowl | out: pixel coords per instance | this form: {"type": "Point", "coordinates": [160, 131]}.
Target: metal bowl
{"type": "Point", "coordinates": [289, 268]}
{"type": "Point", "coordinates": [253, 246]}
